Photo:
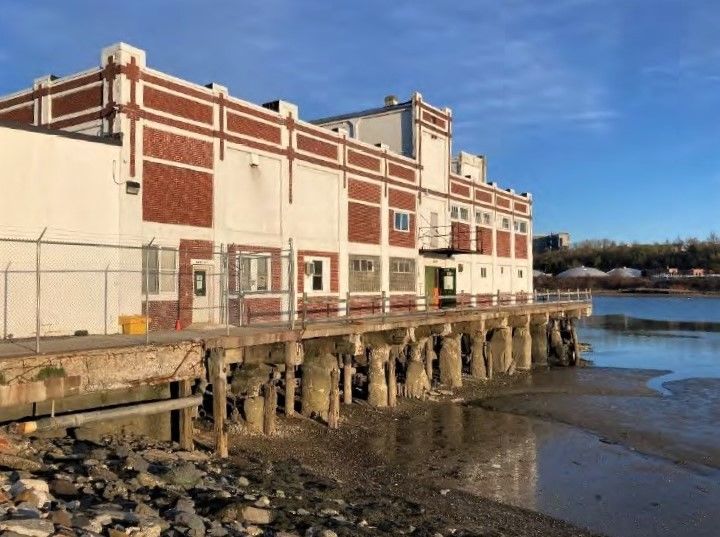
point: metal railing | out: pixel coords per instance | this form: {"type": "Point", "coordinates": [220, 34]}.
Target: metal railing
{"type": "Point", "coordinates": [54, 289]}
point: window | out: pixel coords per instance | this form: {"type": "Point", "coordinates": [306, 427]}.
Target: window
{"type": "Point", "coordinates": [502, 270]}
{"type": "Point", "coordinates": [483, 272]}
{"type": "Point", "coordinates": [317, 275]}
{"type": "Point", "coordinates": [363, 265]}
{"type": "Point", "coordinates": [159, 268]}
{"type": "Point", "coordinates": [520, 273]}
{"type": "Point", "coordinates": [459, 213]}
{"type": "Point", "coordinates": [402, 266]}
{"type": "Point", "coordinates": [520, 226]}
{"type": "Point", "coordinates": [402, 274]}
{"type": "Point", "coordinates": [482, 217]}
{"type": "Point", "coordinates": [402, 221]}
{"type": "Point", "coordinates": [253, 272]}
{"type": "Point", "coordinates": [505, 223]}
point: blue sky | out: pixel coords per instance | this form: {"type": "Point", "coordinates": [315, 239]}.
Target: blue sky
{"type": "Point", "coordinates": [606, 110]}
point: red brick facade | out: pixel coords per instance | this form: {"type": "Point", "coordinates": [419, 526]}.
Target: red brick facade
{"type": "Point", "coordinates": [318, 147]}
{"type": "Point", "coordinates": [405, 239]}
{"type": "Point", "coordinates": [177, 148]}
{"type": "Point", "coordinates": [72, 103]}
{"type": "Point", "coordinates": [401, 171]}
{"type": "Point", "coordinates": [363, 160]}
{"type": "Point", "coordinates": [481, 195]}
{"type": "Point", "coordinates": [459, 189]}
{"type": "Point", "coordinates": [521, 246]}
{"type": "Point", "coordinates": [177, 106]}
{"type": "Point", "coordinates": [364, 191]}
{"type": "Point", "coordinates": [23, 114]}
{"type": "Point", "coordinates": [503, 243]}
{"type": "Point", "coordinates": [173, 195]}
{"type": "Point", "coordinates": [163, 314]}
{"type": "Point", "coordinates": [461, 236]}
{"type": "Point", "coordinates": [189, 250]}
{"type": "Point", "coordinates": [484, 243]}
{"type": "Point", "coordinates": [363, 223]}
{"type": "Point", "coordinates": [251, 127]}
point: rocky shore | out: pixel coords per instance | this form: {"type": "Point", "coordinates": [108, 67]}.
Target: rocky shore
{"type": "Point", "coordinates": [136, 487]}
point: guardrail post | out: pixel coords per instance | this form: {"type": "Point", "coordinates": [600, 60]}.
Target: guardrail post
{"type": "Point", "coordinates": [382, 305]}
{"type": "Point", "coordinates": [105, 301]}
{"type": "Point", "coordinates": [292, 282]}
{"type": "Point", "coordinates": [147, 291]}
{"type": "Point", "coordinates": [304, 310]}
{"type": "Point", "coordinates": [347, 305]}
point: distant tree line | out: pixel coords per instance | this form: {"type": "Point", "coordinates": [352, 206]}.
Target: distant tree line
{"type": "Point", "coordinates": [605, 255]}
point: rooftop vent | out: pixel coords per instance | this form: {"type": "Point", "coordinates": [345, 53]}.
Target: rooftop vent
{"type": "Point", "coordinates": [391, 100]}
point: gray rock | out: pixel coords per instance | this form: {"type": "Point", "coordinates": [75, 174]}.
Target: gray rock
{"type": "Point", "coordinates": [13, 462]}
{"type": "Point", "coordinates": [28, 527]}
{"type": "Point", "coordinates": [185, 476]}
{"type": "Point", "coordinates": [194, 523]}
{"type": "Point", "coordinates": [242, 482]}
{"type": "Point", "coordinates": [185, 505]}
{"type": "Point", "coordinates": [135, 462]}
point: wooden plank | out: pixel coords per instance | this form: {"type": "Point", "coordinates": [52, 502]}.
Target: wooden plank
{"type": "Point", "coordinates": [218, 377]}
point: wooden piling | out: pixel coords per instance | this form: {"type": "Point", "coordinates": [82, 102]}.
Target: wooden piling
{"type": "Point", "coordinates": [269, 409]}
{"type": "Point", "coordinates": [218, 377]}
{"type": "Point", "coordinates": [392, 380]}
{"type": "Point", "coordinates": [290, 361]}
{"type": "Point", "coordinates": [347, 379]}
{"type": "Point", "coordinates": [185, 421]}
{"type": "Point", "coordinates": [575, 342]}
{"type": "Point", "coordinates": [334, 410]}
{"type": "Point", "coordinates": [429, 357]}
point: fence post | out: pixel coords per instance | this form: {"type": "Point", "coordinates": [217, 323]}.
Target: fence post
{"type": "Point", "coordinates": [37, 291]}
{"type": "Point", "coordinates": [425, 304]}
{"type": "Point", "coordinates": [225, 254]}
{"type": "Point", "coordinates": [348, 309]}
{"type": "Point", "coordinates": [304, 309]}
{"type": "Point", "coordinates": [382, 304]}
{"type": "Point", "coordinates": [291, 284]}
{"type": "Point", "coordinates": [105, 303]}
{"type": "Point", "coordinates": [147, 291]}
{"type": "Point", "coordinates": [497, 300]}
{"type": "Point", "coordinates": [5, 301]}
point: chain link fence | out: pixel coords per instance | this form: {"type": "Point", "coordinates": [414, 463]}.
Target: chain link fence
{"type": "Point", "coordinates": [61, 289]}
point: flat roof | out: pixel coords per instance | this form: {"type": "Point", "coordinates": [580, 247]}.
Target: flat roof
{"type": "Point", "coordinates": [368, 112]}
{"type": "Point", "coordinates": [115, 139]}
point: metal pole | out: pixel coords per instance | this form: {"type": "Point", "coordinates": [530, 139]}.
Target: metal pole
{"type": "Point", "coordinates": [304, 309]}
{"type": "Point", "coordinates": [147, 291]}
{"type": "Point", "coordinates": [382, 305]}
{"type": "Point", "coordinates": [37, 291]}
{"type": "Point", "coordinates": [105, 305]}
{"type": "Point", "coordinates": [5, 302]}
{"type": "Point", "coordinates": [347, 305]}
{"type": "Point", "coordinates": [226, 283]}
{"type": "Point", "coordinates": [291, 284]}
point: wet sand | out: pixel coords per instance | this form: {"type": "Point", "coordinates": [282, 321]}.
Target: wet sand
{"type": "Point", "coordinates": [496, 472]}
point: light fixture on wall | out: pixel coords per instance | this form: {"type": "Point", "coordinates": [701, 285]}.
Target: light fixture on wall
{"type": "Point", "coordinates": [254, 160]}
{"type": "Point", "coordinates": [132, 187]}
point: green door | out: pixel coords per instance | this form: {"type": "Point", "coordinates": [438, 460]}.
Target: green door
{"type": "Point", "coordinates": [447, 287]}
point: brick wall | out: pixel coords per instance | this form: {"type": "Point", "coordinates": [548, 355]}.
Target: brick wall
{"type": "Point", "coordinates": [401, 171]}
{"type": "Point", "coordinates": [503, 243]}
{"type": "Point", "coordinates": [319, 307]}
{"type": "Point", "coordinates": [177, 106]}
{"type": "Point", "coordinates": [163, 314]}
{"type": "Point", "coordinates": [173, 195]}
{"type": "Point", "coordinates": [461, 236]}
{"type": "Point", "coordinates": [251, 127]}
{"type": "Point", "coordinates": [177, 148]}
{"type": "Point", "coordinates": [481, 195]}
{"type": "Point", "coordinates": [72, 103]}
{"type": "Point", "coordinates": [460, 189]}
{"type": "Point", "coordinates": [24, 114]}
{"type": "Point", "coordinates": [364, 191]}
{"type": "Point", "coordinates": [484, 242]}
{"type": "Point", "coordinates": [363, 223]}
{"type": "Point", "coordinates": [363, 160]}
{"type": "Point", "coordinates": [401, 199]}
{"type": "Point", "coordinates": [521, 246]}
{"type": "Point", "coordinates": [256, 310]}
{"type": "Point", "coordinates": [403, 302]}
{"type": "Point", "coordinates": [401, 238]}
{"type": "Point", "coordinates": [318, 147]}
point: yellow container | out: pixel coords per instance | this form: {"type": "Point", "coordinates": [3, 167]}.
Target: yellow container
{"type": "Point", "coordinates": [132, 324]}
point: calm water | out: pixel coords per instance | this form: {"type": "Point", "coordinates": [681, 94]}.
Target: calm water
{"type": "Point", "coordinates": [680, 335]}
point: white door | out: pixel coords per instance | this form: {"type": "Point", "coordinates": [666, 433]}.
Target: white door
{"type": "Point", "coordinates": [201, 294]}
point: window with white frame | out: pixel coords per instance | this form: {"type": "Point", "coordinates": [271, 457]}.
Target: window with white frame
{"type": "Point", "coordinates": [402, 266]}
{"type": "Point", "coordinates": [363, 265]}
{"type": "Point", "coordinates": [505, 223]}
{"type": "Point", "coordinates": [317, 274]}
{"type": "Point", "coordinates": [159, 270]}
{"type": "Point", "coordinates": [457, 212]}
{"type": "Point", "coordinates": [520, 273]}
{"type": "Point", "coordinates": [483, 272]}
{"type": "Point", "coordinates": [402, 221]}
{"type": "Point", "coordinates": [253, 272]}
{"type": "Point", "coordinates": [482, 217]}
{"type": "Point", "coordinates": [402, 274]}
{"type": "Point", "coordinates": [520, 226]}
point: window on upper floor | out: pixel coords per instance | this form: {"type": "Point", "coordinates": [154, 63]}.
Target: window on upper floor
{"type": "Point", "coordinates": [505, 223]}
{"type": "Point", "coordinates": [483, 217]}
{"type": "Point", "coordinates": [253, 270]}
{"type": "Point", "coordinates": [402, 221]}
{"type": "Point", "coordinates": [520, 226]}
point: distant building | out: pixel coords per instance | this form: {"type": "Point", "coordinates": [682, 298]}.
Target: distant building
{"type": "Point", "coordinates": [582, 272]}
{"type": "Point", "coordinates": [698, 272]}
{"type": "Point", "coordinates": [551, 242]}
{"type": "Point", "coordinates": [624, 272]}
